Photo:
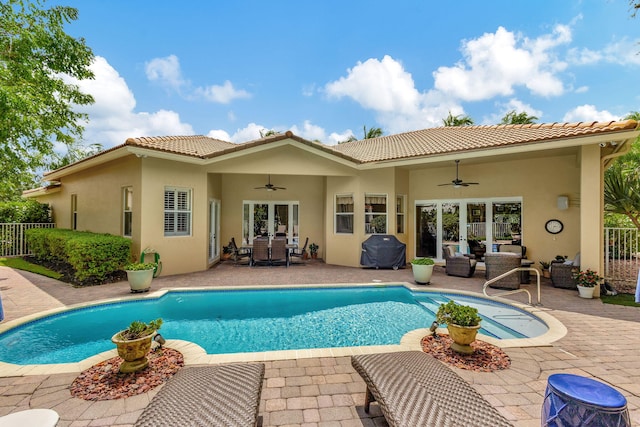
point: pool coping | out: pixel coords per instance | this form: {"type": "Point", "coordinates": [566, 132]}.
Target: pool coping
{"type": "Point", "coordinates": [196, 355]}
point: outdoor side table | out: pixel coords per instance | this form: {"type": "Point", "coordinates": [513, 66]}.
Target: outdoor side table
{"type": "Point", "coordinates": [572, 400]}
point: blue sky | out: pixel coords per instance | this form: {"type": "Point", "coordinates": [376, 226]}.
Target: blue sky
{"type": "Point", "coordinates": [325, 69]}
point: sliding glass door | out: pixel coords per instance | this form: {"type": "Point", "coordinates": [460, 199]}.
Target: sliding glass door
{"type": "Point", "coordinates": [469, 225]}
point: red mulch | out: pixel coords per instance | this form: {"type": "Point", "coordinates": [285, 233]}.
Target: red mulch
{"type": "Point", "coordinates": [105, 382]}
{"type": "Point", "coordinates": [485, 358]}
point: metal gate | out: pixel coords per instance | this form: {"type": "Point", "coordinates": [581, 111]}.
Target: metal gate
{"type": "Point", "coordinates": [621, 253]}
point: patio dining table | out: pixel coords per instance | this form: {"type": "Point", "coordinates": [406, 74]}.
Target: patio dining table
{"type": "Point", "coordinates": [249, 247]}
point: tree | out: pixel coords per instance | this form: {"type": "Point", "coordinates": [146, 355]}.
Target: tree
{"type": "Point", "coordinates": [458, 120]}
{"type": "Point", "coordinates": [368, 134]}
{"type": "Point", "coordinates": [635, 6]}
{"type": "Point", "coordinates": [513, 118]}
{"type": "Point", "coordinates": [36, 103]}
{"type": "Point", "coordinates": [622, 184]}
{"type": "Point", "coordinates": [372, 132]}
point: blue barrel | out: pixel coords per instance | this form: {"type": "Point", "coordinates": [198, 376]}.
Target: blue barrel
{"type": "Point", "coordinates": [572, 400]}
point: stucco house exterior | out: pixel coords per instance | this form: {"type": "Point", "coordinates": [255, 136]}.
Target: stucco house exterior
{"type": "Point", "coordinates": [186, 196]}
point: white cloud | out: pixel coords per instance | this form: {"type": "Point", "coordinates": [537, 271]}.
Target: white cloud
{"type": "Point", "coordinates": [309, 131]}
{"type": "Point", "coordinates": [112, 118]}
{"type": "Point", "coordinates": [582, 89]}
{"type": "Point", "coordinates": [386, 88]}
{"type": "Point", "coordinates": [378, 85]}
{"type": "Point", "coordinates": [167, 72]}
{"type": "Point", "coordinates": [588, 113]}
{"type": "Point", "coordinates": [620, 52]}
{"type": "Point", "coordinates": [495, 63]}
{"type": "Point", "coordinates": [221, 94]}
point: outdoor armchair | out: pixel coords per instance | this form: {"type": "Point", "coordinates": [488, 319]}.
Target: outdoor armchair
{"type": "Point", "coordinates": [498, 263]}
{"type": "Point", "coordinates": [462, 265]}
{"type": "Point", "coordinates": [298, 253]}
{"type": "Point", "coordinates": [562, 273]}
{"type": "Point", "coordinates": [237, 253]}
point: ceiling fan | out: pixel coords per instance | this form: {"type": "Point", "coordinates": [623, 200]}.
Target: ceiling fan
{"type": "Point", "coordinates": [457, 183]}
{"type": "Point", "coordinates": [269, 186]}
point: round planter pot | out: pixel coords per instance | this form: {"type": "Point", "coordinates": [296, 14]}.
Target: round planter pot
{"type": "Point", "coordinates": [585, 292]}
{"type": "Point", "coordinates": [134, 352]}
{"type": "Point", "coordinates": [462, 336]}
{"type": "Point", "coordinates": [139, 280]}
{"type": "Point", "coordinates": [422, 273]}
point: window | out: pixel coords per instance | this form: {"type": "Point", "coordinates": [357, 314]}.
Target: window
{"type": "Point", "coordinates": [74, 211]}
{"type": "Point", "coordinates": [177, 212]}
{"type": "Point", "coordinates": [375, 213]}
{"type": "Point", "coordinates": [127, 207]}
{"type": "Point", "coordinates": [400, 210]}
{"type": "Point", "coordinates": [344, 213]}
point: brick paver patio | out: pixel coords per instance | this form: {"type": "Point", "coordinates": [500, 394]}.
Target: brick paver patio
{"type": "Point", "coordinates": [602, 342]}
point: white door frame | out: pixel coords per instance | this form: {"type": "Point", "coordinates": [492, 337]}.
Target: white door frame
{"type": "Point", "coordinates": [214, 230]}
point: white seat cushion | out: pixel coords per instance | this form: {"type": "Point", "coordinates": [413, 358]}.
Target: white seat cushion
{"type": "Point", "coordinates": [30, 418]}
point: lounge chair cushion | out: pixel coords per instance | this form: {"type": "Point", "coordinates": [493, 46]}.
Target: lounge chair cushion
{"type": "Point", "coordinates": [221, 395]}
{"type": "Point", "coordinates": [414, 389]}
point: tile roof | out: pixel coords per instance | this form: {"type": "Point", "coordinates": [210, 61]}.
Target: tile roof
{"type": "Point", "coordinates": [192, 145]}
{"type": "Point", "coordinates": [434, 141]}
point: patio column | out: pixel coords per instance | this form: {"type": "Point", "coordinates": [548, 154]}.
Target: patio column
{"type": "Point", "coordinates": [591, 208]}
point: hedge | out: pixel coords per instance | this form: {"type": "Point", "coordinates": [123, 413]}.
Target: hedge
{"type": "Point", "coordinates": [28, 211]}
{"type": "Point", "coordinates": [91, 255]}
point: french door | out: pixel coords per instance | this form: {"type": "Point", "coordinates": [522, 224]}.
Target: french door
{"type": "Point", "coordinates": [488, 222]}
{"type": "Point", "coordinates": [270, 219]}
{"type": "Point", "coordinates": [214, 230]}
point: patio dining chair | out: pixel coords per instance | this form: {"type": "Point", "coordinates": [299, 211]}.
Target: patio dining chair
{"type": "Point", "coordinates": [237, 253]}
{"type": "Point", "coordinates": [279, 251]}
{"type": "Point", "coordinates": [260, 252]}
{"type": "Point", "coordinates": [298, 253]}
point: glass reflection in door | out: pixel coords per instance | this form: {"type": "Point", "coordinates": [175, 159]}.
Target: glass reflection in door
{"type": "Point", "coordinates": [451, 226]}
{"type": "Point", "coordinates": [507, 223]}
{"type": "Point", "coordinates": [426, 230]}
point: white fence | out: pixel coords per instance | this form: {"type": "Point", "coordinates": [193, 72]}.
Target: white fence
{"type": "Point", "coordinates": [12, 241]}
{"type": "Point", "coordinates": [621, 254]}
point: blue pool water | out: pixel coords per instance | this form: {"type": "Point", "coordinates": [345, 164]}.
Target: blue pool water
{"type": "Point", "coordinates": [236, 321]}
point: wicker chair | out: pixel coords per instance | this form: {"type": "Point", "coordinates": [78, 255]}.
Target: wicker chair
{"type": "Point", "coordinates": [562, 273]}
{"type": "Point", "coordinates": [516, 249]}
{"type": "Point", "coordinates": [239, 254]}
{"type": "Point", "coordinates": [461, 265]}
{"type": "Point", "coordinates": [260, 252]}
{"type": "Point", "coordinates": [498, 263]}
{"type": "Point", "coordinates": [298, 253]}
{"type": "Point", "coordinates": [279, 251]}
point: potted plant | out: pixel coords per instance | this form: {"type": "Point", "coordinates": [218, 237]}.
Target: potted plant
{"type": "Point", "coordinates": [140, 275]}
{"type": "Point", "coordinates": [134, 343]}
{"type": "Point", "coordinates": [313, 248]}
{"type": "Point", "coordinates": [422, 270]}
{"type": "Point", "coordinates": [545, 269]}
{"type": "Point", "coordinates": [586, 280]}
{"type": "Point", "coordinates": [463, 323]}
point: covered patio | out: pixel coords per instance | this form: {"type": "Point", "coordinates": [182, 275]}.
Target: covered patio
{"type": "Point", "coordinates": [602, 342]}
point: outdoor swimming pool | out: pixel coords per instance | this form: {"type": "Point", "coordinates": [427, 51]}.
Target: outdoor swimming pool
{"type": "Point", "coordinates": [234, 321]}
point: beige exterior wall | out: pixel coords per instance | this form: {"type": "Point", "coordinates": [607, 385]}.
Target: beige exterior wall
{"type": "Point", "coordinates": [345, 249]}
{"type": "Point", "coordinates": [539, 181]}
{"type": "Point", "coordinates": [99, 198]}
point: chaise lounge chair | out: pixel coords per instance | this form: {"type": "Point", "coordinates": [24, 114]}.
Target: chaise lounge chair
{"type": "Point", "coordinates": [414, 389]}
{"type": "Point", "coordinates": [222, 395]}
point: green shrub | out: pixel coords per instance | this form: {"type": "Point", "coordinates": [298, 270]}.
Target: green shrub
{"type": "Point", "coordinates": [91, 255]}
{"type": "Point", "coordinates": [27, 211]}
{"type": "Point", "coordinates": [461, 315]}
{"type": "Point", "coordinates": [422, 261]}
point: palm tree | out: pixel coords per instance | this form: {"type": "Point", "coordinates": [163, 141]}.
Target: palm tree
{"type": "Point", "coordinates": [458, 120]}
{"type": "Point", "coordinates": [513, 118]}
{"type": "Point", "coordinates": [372, 132]}
{"type": "Point", "coordinates": [622, 184]}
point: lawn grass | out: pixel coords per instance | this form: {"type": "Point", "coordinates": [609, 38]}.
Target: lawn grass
{"type": "Point", "coordinates": [20, 264]}
{"type": "Point", "coordinates": [620, 299]}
